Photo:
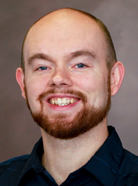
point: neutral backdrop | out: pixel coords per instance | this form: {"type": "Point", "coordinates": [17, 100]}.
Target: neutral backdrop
{"type": "Point", "coordinates": [18, 132]}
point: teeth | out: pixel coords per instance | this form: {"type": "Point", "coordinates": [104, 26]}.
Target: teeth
{"type": "Point", "coordinates": [62, 101]}
{"type": "Point", "coordinates": [52, 101]}
{"type": "Point", "coordinates": [59, 101]}
{"type": "Point", "coordinates": [71, 100]}
{"type": "Point", "coordinates": [67, 101]}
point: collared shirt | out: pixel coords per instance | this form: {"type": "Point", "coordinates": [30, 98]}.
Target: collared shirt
{"type": "Point", "coordinates": [111, 165]}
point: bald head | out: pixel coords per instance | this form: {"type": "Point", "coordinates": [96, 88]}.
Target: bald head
{"type": "Point", "coordinates": [69, 23]}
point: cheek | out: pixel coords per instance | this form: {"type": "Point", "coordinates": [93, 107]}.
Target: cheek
{"type": "Point", "coordinates": [35, 86]}
{"type": "Point", "coordinates": [87, 83]}
{"type": "Point", "coordinates": [94, 86]}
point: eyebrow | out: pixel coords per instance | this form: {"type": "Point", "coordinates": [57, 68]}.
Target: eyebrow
{"type": "Point", "coordinates": [82, 53]}
{"type": "Point", "coordinates": [39, 56]}
{"type": "Point", "coordinates": [72, 55]}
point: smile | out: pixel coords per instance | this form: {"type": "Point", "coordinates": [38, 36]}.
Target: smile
{"type": "Point", "coordinates": [62, 101]}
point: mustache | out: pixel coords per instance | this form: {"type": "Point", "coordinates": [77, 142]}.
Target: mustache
{"type": "Point", "coordinates": [79, 94]}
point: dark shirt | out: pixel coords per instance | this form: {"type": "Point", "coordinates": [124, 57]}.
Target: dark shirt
{"type": "Point", "coordinates": [110, 166]}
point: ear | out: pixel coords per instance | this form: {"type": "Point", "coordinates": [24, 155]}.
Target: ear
{"type": "Point", "coordinates": [20, 80]}
{"type": "Point", "coordinates": [116, 77]}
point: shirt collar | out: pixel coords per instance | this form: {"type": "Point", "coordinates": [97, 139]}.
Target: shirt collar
{"type": "Point", "coordinates": [105, 163]}
{"type": "Point", "coordinates": [34, 161]}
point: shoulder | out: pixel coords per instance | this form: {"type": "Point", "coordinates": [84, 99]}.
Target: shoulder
{"type": "Point", "coordinates": [16, 163]}
{"type": "Point", "coordinates": [12, 169]}
{"type": "Point", "coordinates": [128, 170]}
{"type": "Point", "coordinates": [131, 160]}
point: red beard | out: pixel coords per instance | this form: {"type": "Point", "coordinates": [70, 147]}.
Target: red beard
{"type": "Point", "coordinates": [87, 118]}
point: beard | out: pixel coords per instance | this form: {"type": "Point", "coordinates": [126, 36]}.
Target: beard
{"type": "Point", "coordinates": [84, 120]}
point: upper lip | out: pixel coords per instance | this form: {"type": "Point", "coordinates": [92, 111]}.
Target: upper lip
{"type": "Point", "coordinates": [61, 96]}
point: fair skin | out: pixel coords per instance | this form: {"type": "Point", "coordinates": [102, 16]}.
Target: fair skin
{"type": "Point", "coordinates": [70, 57]}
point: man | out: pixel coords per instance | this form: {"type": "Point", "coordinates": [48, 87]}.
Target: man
{"type": "Point", "coordinates": [68, 74]}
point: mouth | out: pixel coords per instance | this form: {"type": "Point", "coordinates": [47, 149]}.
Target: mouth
{"type": "Point", "coordinates": [62, 101]}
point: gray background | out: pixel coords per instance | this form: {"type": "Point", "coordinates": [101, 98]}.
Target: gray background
{"type": "Point", "coordinates": [18, 132]}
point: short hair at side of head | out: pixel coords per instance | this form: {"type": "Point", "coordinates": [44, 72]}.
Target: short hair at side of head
{"type": "Point", "coordinates": [111, 54]}
{"type": "Point", "coordinates": [22, 55]}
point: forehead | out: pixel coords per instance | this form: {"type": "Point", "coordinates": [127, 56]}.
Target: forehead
{"type": "Point", "coordinates": [64, 31]}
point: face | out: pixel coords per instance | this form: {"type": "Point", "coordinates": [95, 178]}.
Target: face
{"type": "Point", "coordinates": [66, 82]}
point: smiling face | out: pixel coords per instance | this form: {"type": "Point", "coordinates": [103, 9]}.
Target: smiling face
{"type": "Point", "coordinates": [66, 82]}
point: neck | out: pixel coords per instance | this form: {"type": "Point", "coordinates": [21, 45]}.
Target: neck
{"type": "Point", "coordinates": [61, 157]}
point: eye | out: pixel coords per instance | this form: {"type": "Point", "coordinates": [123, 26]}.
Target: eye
{"type": "Point", "coordinates": [80, 65]}
{"type": "Point", "coordinates": [43, 68]}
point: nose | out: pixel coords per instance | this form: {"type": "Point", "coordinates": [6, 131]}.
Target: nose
{"type": "Point", "coordinates": [60, 79]}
